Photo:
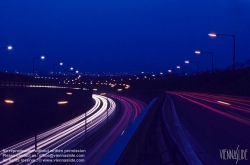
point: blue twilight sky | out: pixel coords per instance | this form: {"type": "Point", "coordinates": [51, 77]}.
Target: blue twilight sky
{"type": "Point", "coordinates": [122, 35]}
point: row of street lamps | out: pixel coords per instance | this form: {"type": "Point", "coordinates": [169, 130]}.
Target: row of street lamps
{"type": "Point", "coordinates": [212, 54]}
{"type": "Point", "coordinates": [38, 57]}
{"type": "Point", "coordinates": [55, 64]}
{"type": "Point", "coordinates": [178, 67]}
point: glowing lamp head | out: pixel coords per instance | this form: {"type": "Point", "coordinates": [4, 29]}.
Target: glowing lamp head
{"type": "Point", "coordinates": [62, 102]}
{"type": "Point", "coordinates": [197, 52]}
{"type": "Point", "coordinates": [9, 47]}
{"type": "Point", "coordinates": [9, 101]}
{"type": "Point", "coordinates": [186, 62]}
{"type": "Point", "coordinates": [61, 63]}
{"type": "Point", "coordinates": [169, 71]}
{"type": "Point", "coordinates": [212, 34]}
{"type": "Point", "coordinates": [77, 71]}
{"type": "Point", "coordinates": [42, 57]}
{"type": "Point", "coordinates": [71, 68]}
{"type": "Point", "coordinates": [178, 67]}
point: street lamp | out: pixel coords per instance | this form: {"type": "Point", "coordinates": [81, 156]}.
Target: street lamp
{"type": "Point", "coordinates": [42, 57]}
{"type": "Point", "coordinates": [56, 64]}
{"type": "Point", "coordinates": [199, 52]}
{"type": "Point", "coordinates": [227, 35]}
{"type": "Point", "coordinates": [6, 47]}
{"type": "Point", "coordinates": [71, 68]}
{"type": "Point", "coordinates": [77, 71]}
{"type": "Point", "coordinates": [198, 64]}
{"type": "Point", "coordinates": [178, 67]}
{"type": "Point", "coordinates": [119, 96]}
{"type": "Point", "coordinates": [186, 70]}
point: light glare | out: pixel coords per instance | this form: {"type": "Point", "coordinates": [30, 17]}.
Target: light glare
{"type": "Point", "coordinates": [9, 101]}
{"type": "Point", "coordinates": [212, 34]}
{"type": "Point", "coordinates": [62, 102]}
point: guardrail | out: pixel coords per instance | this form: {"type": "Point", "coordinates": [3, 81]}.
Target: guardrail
{"type": "Point", "coordinates": [18, 84]}
{"type": "Point", "coordinates": [183, 151]}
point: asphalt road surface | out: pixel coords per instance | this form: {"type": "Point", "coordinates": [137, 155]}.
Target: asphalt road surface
{"type": "Point", "coordinates": [215, 124]}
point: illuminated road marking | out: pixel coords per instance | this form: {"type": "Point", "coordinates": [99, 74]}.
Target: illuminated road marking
{"type": "Point", "coordinates": [223, 102]}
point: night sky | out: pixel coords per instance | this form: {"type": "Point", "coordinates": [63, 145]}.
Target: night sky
{"type": "Point", "coordinates": [122, 35]}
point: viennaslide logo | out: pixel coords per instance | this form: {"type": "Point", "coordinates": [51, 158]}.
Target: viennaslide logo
{"type": "Point", "coordinates": [234, 154]}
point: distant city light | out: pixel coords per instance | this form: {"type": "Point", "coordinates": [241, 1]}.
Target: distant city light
{"type": "Point", "coordinates": [61, 63]}
{"type": "Point", "coordinates": [169, 71]}
{"type": "Point", "coordinates": [178, 67]}
{"type": "Point", "coordinates": [42, 57]}
{"type": "Point", "coordinates": [9, 47]}
{"type": "Point", "coordinates": [187, 62]}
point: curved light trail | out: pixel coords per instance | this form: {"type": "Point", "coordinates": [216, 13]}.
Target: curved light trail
{"type": "Point", "coordinates": [238, 108]}
{"type": "Point", "coordinates": [67, 134]}
{"type": "Point", "coordinates": [130, 111]}
{"type": "Point", "coordinates": [213, 123]}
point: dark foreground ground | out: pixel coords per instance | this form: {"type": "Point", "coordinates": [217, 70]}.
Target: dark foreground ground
{"type": "Point", "coordinates": [37, 110]}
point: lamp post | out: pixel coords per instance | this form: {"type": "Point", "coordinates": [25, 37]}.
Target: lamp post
{"type": "Point", "coordinates": [178, 67]}
{"type": "Point", "coordinates": [227, 35]}
{"type": "Point", "coordinates": [42, 57]}
{"type": "Point", "coordinates": [71, 68]}
{"type": "Point", "coordinates": [186, 70]}
{"type": "Point", "coordinates": [198, 64]}
{"type": "Point", "coordinates": [199, 52]}
{"type": "Point", "coordinates": [119, 90]}
{"type": "Point", "coordinates": [56, 64]}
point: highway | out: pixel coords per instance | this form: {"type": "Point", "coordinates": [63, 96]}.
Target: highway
{"type": "Point", "coordinates": [66, 135]}
{"type": "Point", "coordinates": [131, 108]}
{"type": "Point", "coordinates": [213, 123]}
